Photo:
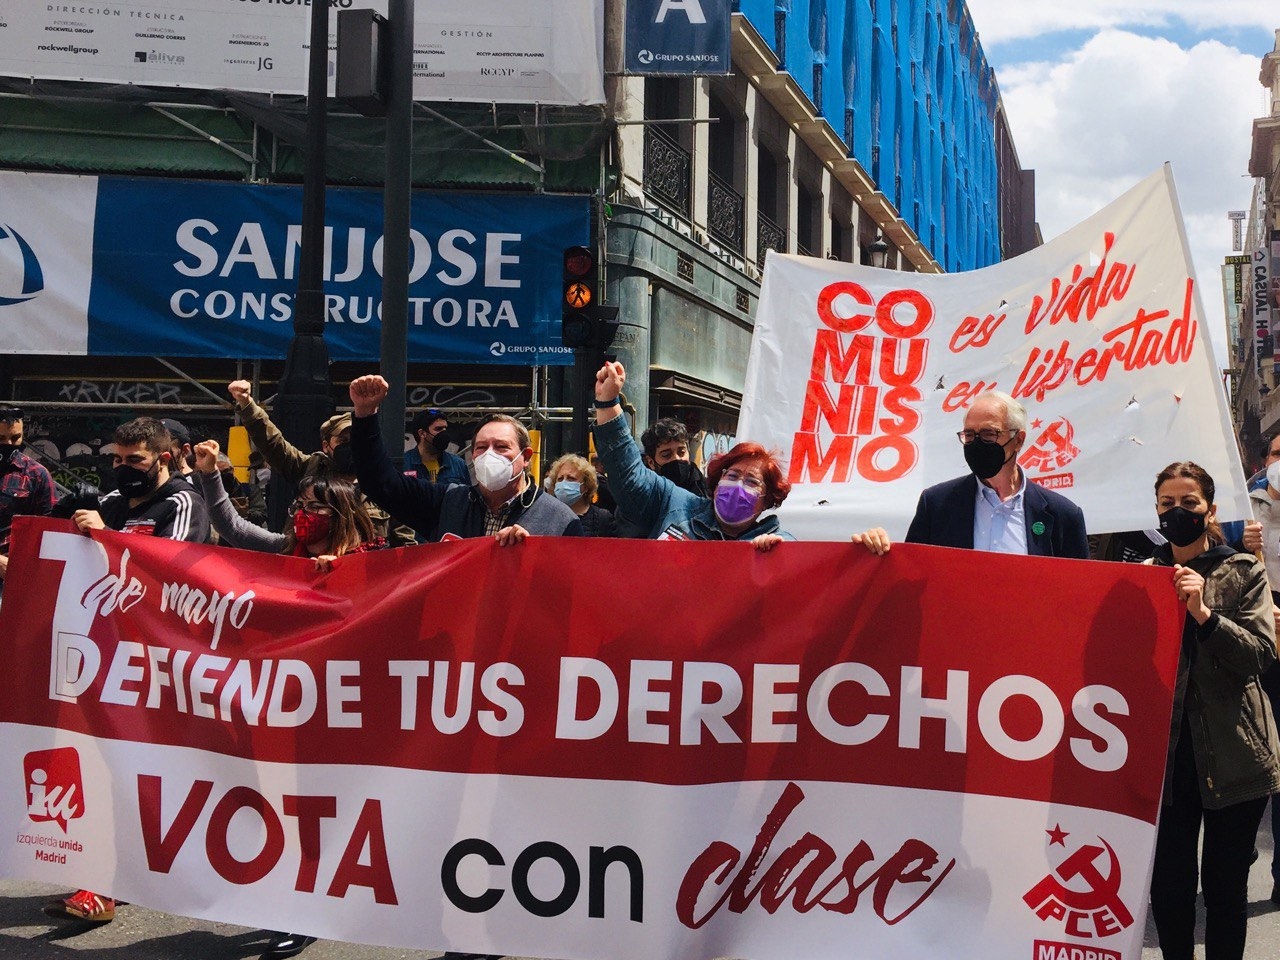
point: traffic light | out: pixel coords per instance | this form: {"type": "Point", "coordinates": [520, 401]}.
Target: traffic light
{"type": "Point", "coordinates": [584, 321]}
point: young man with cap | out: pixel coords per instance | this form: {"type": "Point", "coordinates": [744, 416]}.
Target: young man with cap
{"type": "Point", "coordinates": [180, 465]}
{"type": "Point", "coordinates": [333, 459]}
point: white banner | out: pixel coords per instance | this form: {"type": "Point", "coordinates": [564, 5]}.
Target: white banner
{"type": "Point", "coordinates": [861, 377]}
{"type": "Point", "coordinates": [545, 51]}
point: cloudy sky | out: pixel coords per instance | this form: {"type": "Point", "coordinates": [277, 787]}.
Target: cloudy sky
{"type": "Point", "coordinates": [1099, 93]}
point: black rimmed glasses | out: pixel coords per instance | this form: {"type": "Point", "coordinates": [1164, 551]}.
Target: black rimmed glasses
{"type": "Point", "coordinates": [986, 435]}
{"type": "Point", "coordinates": [311, 506]}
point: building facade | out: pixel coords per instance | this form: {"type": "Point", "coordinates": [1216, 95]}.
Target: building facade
{"type": "Point", "coordinates": [847, 129]}
{"type": "Point", "coordinates": [1255, 400]}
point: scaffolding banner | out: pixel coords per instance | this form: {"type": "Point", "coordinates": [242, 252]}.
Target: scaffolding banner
{"type": "Point", "coordinates": [113, 266]}
{"type": "Point", "coordinates": [861, 377]}
{"type": "Point", "coordinates": [549, 51]}
{"type": "Point", "coordinates": [496, 750]}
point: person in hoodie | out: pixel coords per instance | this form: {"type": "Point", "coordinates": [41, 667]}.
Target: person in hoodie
{"type": "Point", "coordinates": [1224, 757]}
{"type": "Point", "coordinates": [743, 484]}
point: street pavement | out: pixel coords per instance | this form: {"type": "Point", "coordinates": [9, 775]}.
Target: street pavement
{"type": "Point", "coordinates": [141, 934]}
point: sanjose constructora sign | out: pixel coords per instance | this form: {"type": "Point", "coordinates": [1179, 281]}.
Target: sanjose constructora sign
{"type": "Point", "coordinates": [837, 750]}
{"type": "Point", "coordinates": [479, 50]}
{"type": "Point", "coordinates": [115, 266]}
{"type": "Point", "coordinates": [862, 377]}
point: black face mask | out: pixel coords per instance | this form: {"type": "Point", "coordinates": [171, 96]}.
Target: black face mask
{"type": "Point", "coordinates": [229, 482]}
{"type": "Point", "coordinates": [440, 442]}
{"type": "Point", "coordinates": [134, 483]}
{"type": "Point", "coordinates": [1182, 527]}
{"type": "Point", "coordinates": [344, 463]}
{"type": "Point", "coordinates": [685, 475]}
{"type": "Point", "coordinates": [985, 457]}
{"type": "Point", "coordinates": [7, 452]}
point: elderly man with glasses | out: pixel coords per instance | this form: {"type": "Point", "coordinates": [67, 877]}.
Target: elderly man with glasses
{"type": "Point", "coordinates": [993, 507]}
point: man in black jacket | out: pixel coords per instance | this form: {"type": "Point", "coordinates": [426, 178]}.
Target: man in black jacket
{"type": "Point", "coordinates": [152, 501]}
{"type": "Point", "coordinates": [501, 504]}
{"type": "Point", "coordinates": [995, 506]}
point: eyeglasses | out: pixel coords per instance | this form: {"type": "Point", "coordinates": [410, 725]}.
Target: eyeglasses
{"type": "Point", "coordinates": [986, 435]}
{"type": "Point", "coordinates": [749, 482]}
{"type": "Point", "coordinates": [311, 506]}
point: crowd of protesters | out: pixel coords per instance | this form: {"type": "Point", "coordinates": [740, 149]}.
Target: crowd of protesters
{"type": "Point", "coordinates": [353, 495]}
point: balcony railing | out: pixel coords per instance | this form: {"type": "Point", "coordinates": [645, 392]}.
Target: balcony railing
{"type": "Point", "coordinates": [667, 170]}
{"type": "Point", "coordinates": [725, 208]}
{"type": "Point", "coordinates": [769, 236]}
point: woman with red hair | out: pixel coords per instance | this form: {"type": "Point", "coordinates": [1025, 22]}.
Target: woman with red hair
{"type": "Point", "coordinates": [744, 483]}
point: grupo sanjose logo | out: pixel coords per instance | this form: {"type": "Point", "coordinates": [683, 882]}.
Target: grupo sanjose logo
{"type": "Point", "coordinates": [21, 277]}
{"type": "Point", "coordinates": [55, 789]}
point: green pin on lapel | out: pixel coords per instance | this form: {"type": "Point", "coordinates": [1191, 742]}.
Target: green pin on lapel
{"type": "Point", "coordinates": [1037, 528]}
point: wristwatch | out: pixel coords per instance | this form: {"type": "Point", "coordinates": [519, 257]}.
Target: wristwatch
{"type": "Point", "coordinates": [606, 404]}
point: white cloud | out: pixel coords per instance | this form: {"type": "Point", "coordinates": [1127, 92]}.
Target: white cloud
{"type": "Point", "coordinates": [1112, 111]}
{"type": "Point", "coordinates": [999, 20]}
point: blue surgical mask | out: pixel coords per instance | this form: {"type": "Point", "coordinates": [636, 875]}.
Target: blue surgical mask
{"type": "Point", "coordinates": [568, 492]}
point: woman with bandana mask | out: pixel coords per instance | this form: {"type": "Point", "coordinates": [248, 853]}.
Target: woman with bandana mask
{"type": "Point", "coordinates": [326, 521]}
{"type": "Point", "coordinates": [572, 481]}
{"type": "Point", "coordinates": [1224, 757]}
{"type": "Point", "coordinates": [744, 483]}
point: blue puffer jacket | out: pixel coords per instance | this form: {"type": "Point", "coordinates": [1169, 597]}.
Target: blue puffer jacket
{"type": "Point", "coordinates": [653, 502]}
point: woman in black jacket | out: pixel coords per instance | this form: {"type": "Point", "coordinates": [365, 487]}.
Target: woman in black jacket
{"type": "Point", "coordinates": [1222, 762]}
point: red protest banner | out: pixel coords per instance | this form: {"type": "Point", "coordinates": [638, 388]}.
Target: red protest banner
{"type": "Point", "coordinates": [686, 748]}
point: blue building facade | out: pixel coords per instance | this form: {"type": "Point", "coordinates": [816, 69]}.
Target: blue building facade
{"type": "Point", "coordinates": [907, 85]}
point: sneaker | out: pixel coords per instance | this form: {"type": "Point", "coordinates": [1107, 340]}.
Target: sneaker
{"type": "Point", "coordinates": [84, 905]}
{"type": "Point", "coordinates": [284, 945]}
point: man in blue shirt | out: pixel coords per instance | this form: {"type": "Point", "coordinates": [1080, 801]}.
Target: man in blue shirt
{"type": "Point", "coordinates": [993, 507]}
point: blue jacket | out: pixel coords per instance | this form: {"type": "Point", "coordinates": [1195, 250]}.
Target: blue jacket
{"type": "Point", "coordinates": [653, 502]}
{"type": "Point", "coordinates": [453, 469]}
{"type": "Point", "coordinates": [945, 513]}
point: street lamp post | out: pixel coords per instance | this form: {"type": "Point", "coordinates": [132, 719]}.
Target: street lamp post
{"type": "Point", "coordinates": [303, 399]}
{"type": "Point", "coordinates": [397, 200]}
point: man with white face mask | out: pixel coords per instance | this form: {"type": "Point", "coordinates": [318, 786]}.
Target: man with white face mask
{"type": "Point", "coordinates": [502, 503]}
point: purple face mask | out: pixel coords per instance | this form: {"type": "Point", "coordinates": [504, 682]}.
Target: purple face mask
{"type": "Point", "coordinates": [734, 503]}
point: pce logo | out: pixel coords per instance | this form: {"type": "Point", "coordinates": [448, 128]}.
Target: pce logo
{"type": "Point", "coordinates": [55, 790]}
{"type": "Point", "coordinates": [1053, 449]}
{"type": "Point", "coordinates": [1080, 891]}
{"type": "Point", "coordinates": [20, 275]}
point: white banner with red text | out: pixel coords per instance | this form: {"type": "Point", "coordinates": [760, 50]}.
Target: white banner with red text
{"type": "Point", "coordinates": [461, 746]}
{"type": "Point", "coordinates": [860, 377]}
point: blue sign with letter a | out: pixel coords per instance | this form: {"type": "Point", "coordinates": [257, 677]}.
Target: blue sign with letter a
{"type": "Point", "coordinates": [678, 36]}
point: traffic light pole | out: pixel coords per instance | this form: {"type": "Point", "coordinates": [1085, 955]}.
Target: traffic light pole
{"type": "Point", "coordinates": [583, 388]}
